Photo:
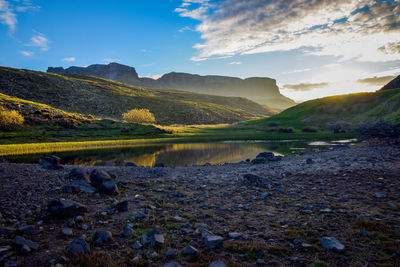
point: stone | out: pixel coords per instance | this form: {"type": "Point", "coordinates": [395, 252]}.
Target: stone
{"type": "Point", "coordinates": [122, 206]}
{"type": "Point", "coordinates": [67, 231]}
{"type": "Point", "coordinates": [101, 237]}
{"type": "Point", "coordinates": [98, 176]}
{"type": "Point", "coordinates": [27, 230]}
{"type": "Point", "coordinates": [257, 180]}
{"type": "Point", "coordinates": [189, 250]}
{"type": "Point", "coordinates": [128, 231]}
{"type": "Point", "coordinates": [155, 238]}
{"type": "Point", "coordinates": [170, 253]}
{"type": "Point", "coordinates": [6, 231]}
{"type": "Point", "coordinates": [78, 219]}
{"type": "Point", "coordinates": [79, 174]}
{"type": "Point", "coordinates": [309, 161]}
{"type": "Point", "coordinates": [332, 243]}
{"type": "Point", "coordinates": [217, 264]}
{"type": "Point", "coordinates": [108, 187]}
{"type": "Point", "coordinates": [136, 245]}
{"type": "Point", "coordinates": [65, 208]}
{"type": "Point", "coordinates": [78, 246]}
{"type": "Point", "coordinates": [234, 235]}
{"type": "Point", "coordinates": [130, 164]}
{"type": "Point", "coordinates": [12, 263]}
{"type": "Point", "coordinates": [260, 262]}
{"type": "Point", "coordinates": [50, 162]}
{"type": "Point", "coordinates": [172, 264]}
{"type": "Point", "coordinates": [20, 241]}
{"type": "Point", "coordinates": [159, 165]}
{"type": "Point", "coordinates": [379, 195]}
{"type": "Point", "coordinates": [213, 241]}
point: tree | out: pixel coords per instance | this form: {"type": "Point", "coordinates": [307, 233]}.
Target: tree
{"type": "Point", "coordinates": [139, 116]}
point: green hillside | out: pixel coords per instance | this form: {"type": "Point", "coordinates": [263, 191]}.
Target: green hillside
{"type": "Point", "coordinates": [109, 99]}
{"type": "Point", "coordinates": [343, 111]}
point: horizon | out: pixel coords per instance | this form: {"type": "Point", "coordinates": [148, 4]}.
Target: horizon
{"type": "Point", "coordinates": [312, 50]}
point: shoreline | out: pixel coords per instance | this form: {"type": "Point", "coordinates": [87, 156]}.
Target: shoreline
{"type": "Point", "coordinates": [351, 194]}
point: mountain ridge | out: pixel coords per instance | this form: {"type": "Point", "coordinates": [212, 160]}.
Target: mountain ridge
{"type": "Point", "coordinates": [262, 90]}
{"type": "Point", "coordinates": [109, 99]}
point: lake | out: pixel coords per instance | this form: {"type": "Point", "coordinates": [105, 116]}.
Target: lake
{"type": "Point", "coordinates": [183, 154]}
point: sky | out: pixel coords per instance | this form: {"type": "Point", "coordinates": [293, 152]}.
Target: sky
{"type": "Point", "coordinates": [313, 48]}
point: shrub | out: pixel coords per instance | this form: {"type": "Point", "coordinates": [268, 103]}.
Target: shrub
{"type": "Point", "coordinates": [309, 129]}
{"type": "Point", "coordinates": [10, 120]}
{"type": "Point", "coordinates": [286, 130]}
{"type": "Point", "coordinates": [139, 116]}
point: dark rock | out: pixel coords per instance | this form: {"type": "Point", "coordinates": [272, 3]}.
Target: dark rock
{"type": "Point", "coordinates": [98, 176]}
{"type": "Point", "coordinates": [217, 264]}
{"type": "Point", "coordinates": [77, 186]}
{"type": "Point", "coordinates": [159, 165]}
{"type": "Point", "coordinates": [66, 231]}
{"type": "Point", "coordinates": [78, 246]}
{"type": "Point", "coordinates": [101, 237]}
{"type": "Point", "coordinates": [79, 174]}
{"type": "Point", "coordinates": [108, 187]}
{"type": "Point", "coordinates": [309, 161]}
{"type": "Point", "coordinates": [309, 129]}
{"type": "Point", "coordinates": [257, 180]}
{"type": "Point", "coordinates": [6, 231]}
{"type": "Point", "coordinates": [130, 164]}
{"type": "Point", "coordinates": [27, 230]}
{"type": "Point", "coordinates": [264, 157]}
{"type": "Point", "coordinates": [379, 195]}
{"type": "Point", "coordinates": [213, 241]}
{"type": "Point", "coordinates": [123, 206]}
{"type": "Point", "coordinates": [172, 264]}
{"type": "Point", "coordinates": [11, 263]}
{"type": "Point", "coordinates": [332, 244]}
{"type": "Point", "coordinates": [170, 253]}
{"type": "Point", "coordinates": [50, 162]}
{"type": "Point", "coordinates": [65, 208]}
{"type": "Point", "coordinates": [136, 245]}
{"type": "Point", "coordinates": [189, 250]}
{"type": "Point", "coordinates": [155, 238]}
{"type": "Point", "coordinates": [20, 241]}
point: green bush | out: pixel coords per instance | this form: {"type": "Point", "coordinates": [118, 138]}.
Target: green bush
{"type": "Point", "coordinates": [10, 120]}
{"type": "Point", "coordinates": [139, 116]}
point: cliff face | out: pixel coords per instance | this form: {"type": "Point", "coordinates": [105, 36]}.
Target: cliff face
{"type": "Point", "coordinates": [259, 89]}
{"type": "Point", "coordinates": [393, 84]}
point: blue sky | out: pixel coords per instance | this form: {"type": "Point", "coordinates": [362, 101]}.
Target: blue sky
{"type": "Point", "coordinates": [312, 48]}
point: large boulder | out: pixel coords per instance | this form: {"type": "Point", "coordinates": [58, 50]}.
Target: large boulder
{"type": "Point", "coordinates": [78, 246]}
{"type": "Point", "coordinates": [79, 174]}
{"type": "Point", "coordinates": [98, 176]}
{"type": "Point", "coordinates": [65, 208]}
{"type": "Point", "coordinates": [264, 157]}
{"type": "Point", "coordinates": [332, 243]}
{"type": "Point", "coordinates": [50, 162]}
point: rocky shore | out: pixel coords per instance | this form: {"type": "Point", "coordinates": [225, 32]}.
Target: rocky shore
{"type": "Point", "coordinates": [334, 208]}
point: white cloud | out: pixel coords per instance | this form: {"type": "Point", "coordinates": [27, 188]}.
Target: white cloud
{"type": "Point", "coordinates": [39, 40]}
{"type": "Point", "coordinates": [26, 53]}
{"type": "Point", "coordinates": [109, 60]}
{"type": "Point", "coordinates": [69, 59]}
{"type": "Point", "coordinates": [339, 28]}
{"type": "Point", "coordinates": [235, 63]}
{"type": "Point", "coordinates": [9, 10]}
{"type": "Point", "coordinates": [296, 71]}
{"type": "Point", "coordinates": [7, 15]}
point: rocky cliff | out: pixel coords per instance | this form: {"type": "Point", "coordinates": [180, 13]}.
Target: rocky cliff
{"type": "Point", "coordinates": [393, 84]}
{"type": "Point", "coordinates": [259, 89]}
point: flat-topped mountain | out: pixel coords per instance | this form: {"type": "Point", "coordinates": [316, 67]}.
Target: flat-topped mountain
{"type": "Point", "coordinates": [259, 89]}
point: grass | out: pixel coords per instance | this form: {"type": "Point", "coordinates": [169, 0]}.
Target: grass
{"type": "Point", "coordinates": [106, 98]}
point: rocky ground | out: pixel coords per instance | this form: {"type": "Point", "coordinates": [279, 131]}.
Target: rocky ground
{"type": "Point", "coordinates": [333, 208]}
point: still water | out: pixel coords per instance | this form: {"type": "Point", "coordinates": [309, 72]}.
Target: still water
{"type": "Point", "coordinates": [183, 154]}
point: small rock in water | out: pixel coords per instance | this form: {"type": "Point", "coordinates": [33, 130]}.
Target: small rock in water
{"type": "Point", "coordinates": [332, 243]}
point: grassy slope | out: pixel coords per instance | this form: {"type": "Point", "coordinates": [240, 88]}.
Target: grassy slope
{"type": "Point", "coordinates": [44, 123]}
{"type": "Point", "coordinates": [105, 98]}
{"type": "Point", "coordinates": [351, 109]}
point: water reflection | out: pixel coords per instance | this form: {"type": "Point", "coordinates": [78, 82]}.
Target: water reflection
{"type": "Point", "coordinates": [175, 154]}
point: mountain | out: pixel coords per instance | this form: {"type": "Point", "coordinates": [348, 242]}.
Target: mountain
{"type": "Point", "coordinates": [393, 84]}
{"type": "Point", "coordinates": [259, 89]}
{"type": "Point", "coordinates": [106, 98]}
{"type": "Point", "coordinates": [340, 111]}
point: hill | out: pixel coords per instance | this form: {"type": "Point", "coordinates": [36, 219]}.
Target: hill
{"type": "Point", "coordinates": [105, 98]}
{"type": "Point", "coordinates": [393, 84]}
{"type": "Point", "coordinates": [342, 111]}
{"type": "Point", "coordinates": [258, 89]}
